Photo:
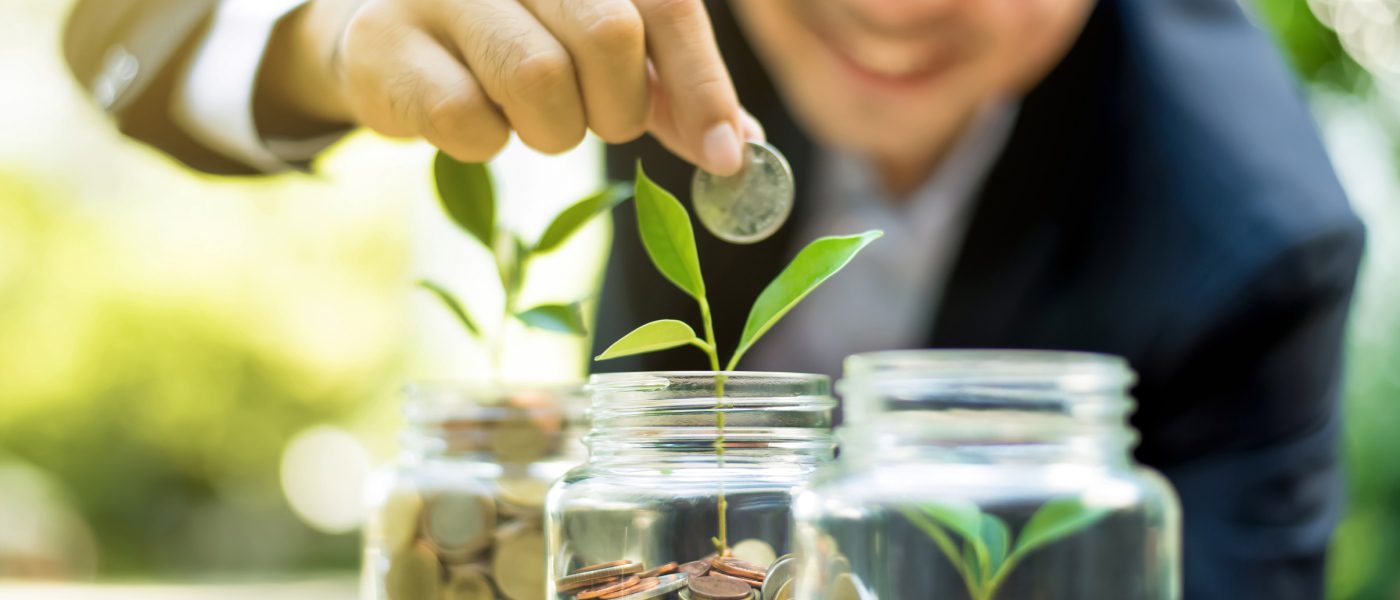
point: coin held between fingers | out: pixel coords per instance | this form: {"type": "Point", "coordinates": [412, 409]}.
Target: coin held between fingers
{"type": "Point", "coordinates": [751, 205]}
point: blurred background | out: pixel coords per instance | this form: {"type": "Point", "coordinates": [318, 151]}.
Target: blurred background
{"type": "Point", "coordinates": [197, 373]}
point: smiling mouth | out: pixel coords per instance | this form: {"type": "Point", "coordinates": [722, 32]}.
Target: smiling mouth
{"type": "Point", "coordinates": [885, 65]}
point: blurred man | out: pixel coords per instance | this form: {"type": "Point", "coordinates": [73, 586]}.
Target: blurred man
{"type": "Point", "coordinates": [1137, 177]}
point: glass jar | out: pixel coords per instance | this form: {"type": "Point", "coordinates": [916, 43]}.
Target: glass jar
{"type": "Point", "coordinates": [683, 466]}
{"type": "Point", "coordinates": [460, 515]}
{"type": "Point", "coordinates": [987, 474]}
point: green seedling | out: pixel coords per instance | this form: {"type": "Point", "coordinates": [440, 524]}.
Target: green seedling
{"type": "Point", "coordinates": [468, 195]}
{"type": "Point", "coordinates": [670, 242]}
{"type": "Point", "coordinates": [669, 239]}
{"type": "Point", "coordinates": [987, 554]}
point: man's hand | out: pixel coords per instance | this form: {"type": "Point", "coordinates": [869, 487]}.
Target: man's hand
{"type": "Point", "coordinates": [465, 73]}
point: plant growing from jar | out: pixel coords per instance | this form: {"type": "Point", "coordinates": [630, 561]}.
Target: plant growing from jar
{"type": "Point", "coordinates": [669, 239]}
{"type": "Point", "coordinates": [459, 514]}
{"type": "Point", "coordinates": [467, 194]}
{"type": "Point", "coordinates": [988, 553]}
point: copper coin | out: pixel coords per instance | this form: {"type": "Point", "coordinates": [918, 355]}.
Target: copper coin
{"type": "Point", "coordinates": [639, 586]}
{"type": "Point", "coordinates": [713, 587]}
{"type": "Point", "coordinates": [753, 583]}
{"type": "Point", "coordinates": [608, 588]}
{"type": "Point", "coordinates": [740, 568]}
{"type": "Point", "coordinates": [585, 584]}
{"type": "Point", "coordinates": [597, 575]}
{"type": "Point", "coordinates": [665, 585]}
{"type": "Point", "coordinates": [661, 570]}
{"type": "Point", "coordinates": [601, 566]}
{"type": "Point", "coordinates": [696, 568]}
{"type": "Point", "coordinates": [745, 580]}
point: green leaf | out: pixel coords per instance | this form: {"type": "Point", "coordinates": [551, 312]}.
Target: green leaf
{"type": "Point", "coordinates": [996, 538]}
{"type": "Point", "coordinates": [467, 194]}
{"type": "Point", "coordinates": [452, 304]}
{"type": "Point", "coordinates": [962, 517]}
{"type": "Point", "coordinates": [966, 520]}
{"type": "Point", "coordinates": [656, 335]}
{"type": "Point", "coordinates": [813, 265]}
{"type": "Point", "coordinates": [935, 533]}
{"type": "Point", "coordinates": [575, 217]}
{"type": "Point", "coordinates": [510, 252]}
{"type": "Point", "coordinates": [945, 543]}
{"type": "Point", "coordinates": [668, 236]}
{"type": "Point", "coordinates": [976, 566]}
{"type": "Point", "coordinates": [1057, 519]}
{"type": "Point", "coordinates": [563, 318]}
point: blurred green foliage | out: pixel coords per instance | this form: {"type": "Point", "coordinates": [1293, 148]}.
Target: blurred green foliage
{"type": "Point", "coordinates": [1311, 48]}
{"type": "Point", "coordinates": [160, 391]}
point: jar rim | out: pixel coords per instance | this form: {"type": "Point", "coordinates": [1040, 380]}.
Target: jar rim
{"type": "Point", "coordinates": [663, 391]}
{"type": "Point", "coordinates": [1086, 371]}
{"type": "Point", "coordinates": [988, 395]}
{"type": "Point", "coordinates": [626, 381]}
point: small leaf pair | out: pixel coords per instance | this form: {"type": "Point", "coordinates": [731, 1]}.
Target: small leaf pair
{"type": "Point", "coordinates": [468, 195]}
{"type": "Point", "coordinates": [669, 239]}
{"type": "Point", "coordinates": [987, 556]}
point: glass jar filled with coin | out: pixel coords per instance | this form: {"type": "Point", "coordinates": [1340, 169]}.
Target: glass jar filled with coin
{"type": "Point", "coordinates": [688, 486]}
{"type": "Point", "coordinates": [460, 515]}
{"type": "Point", "coordinates": [986, 475]}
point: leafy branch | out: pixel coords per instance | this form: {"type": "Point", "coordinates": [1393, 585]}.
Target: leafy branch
{"type": "Point", "coordinates": [468, 195]}
{"type": "Point", "coordinates": [987, 556]}
{"type": "Point", "coordinates": [669, 240]}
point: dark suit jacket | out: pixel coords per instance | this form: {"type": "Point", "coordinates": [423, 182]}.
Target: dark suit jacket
{"type": "Point", "coordinates": [1163, 197]}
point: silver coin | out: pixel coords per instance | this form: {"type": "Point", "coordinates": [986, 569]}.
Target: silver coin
{"type": "Point", "coordinates": [665, 585]}
{"type": "Point", "coordinates": [750, 205]}
{"type": "Point", "coordinates": [780, 573]}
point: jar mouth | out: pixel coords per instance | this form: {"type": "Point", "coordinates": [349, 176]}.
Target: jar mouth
{"type": "Point", "coordinates": [768, 381]}
{"type": "Point", "coordinates": [1072, 371]}
{"type": "Point", "coordinates": [1027, 389]}
{"type": "Point", "coordinates": [658, 392]}
{"type": "Point", "coordinates": [675, 413]}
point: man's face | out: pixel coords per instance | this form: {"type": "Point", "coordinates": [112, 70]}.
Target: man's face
{"type": "Point", "coordinates": [898, 78]}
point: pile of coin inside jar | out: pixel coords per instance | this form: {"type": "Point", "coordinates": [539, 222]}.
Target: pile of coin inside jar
{"type": "Point", "coordinates": [714, 577]}
{"type": "Point", "coordinates": [464, 534]}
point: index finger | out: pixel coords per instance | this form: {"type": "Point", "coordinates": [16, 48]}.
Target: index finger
{"type": "Point", "coordinates": [682, 48]}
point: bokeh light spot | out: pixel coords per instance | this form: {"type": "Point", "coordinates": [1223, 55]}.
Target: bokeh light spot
{"type": "Point", "coordinates": [323, 471]}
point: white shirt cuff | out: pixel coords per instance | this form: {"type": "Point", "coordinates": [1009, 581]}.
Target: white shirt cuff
{"type": "Point", "coordinates": [213, 102]}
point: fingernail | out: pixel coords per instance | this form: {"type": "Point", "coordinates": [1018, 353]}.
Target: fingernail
{"type": "Point", "coordinates": [721, 150]}
{"type": "Point", "coordinates": [753, 130]}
